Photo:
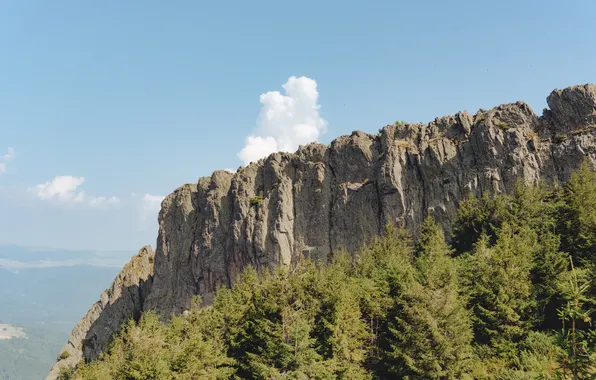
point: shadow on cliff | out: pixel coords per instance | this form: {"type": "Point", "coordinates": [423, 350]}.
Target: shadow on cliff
{"type": "Point", "coordinates": [129, 305]}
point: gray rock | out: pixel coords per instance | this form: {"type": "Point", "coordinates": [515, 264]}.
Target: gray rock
{"type": "Point", "coordinates": [122, 301]}
{"type": "Point", "coordinates": [321, 198]}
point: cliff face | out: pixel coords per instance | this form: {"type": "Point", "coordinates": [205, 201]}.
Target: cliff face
{"type": "Point", "coordinates": [117, 304]}
{"type": "Point", "coordinates": [325, 197]}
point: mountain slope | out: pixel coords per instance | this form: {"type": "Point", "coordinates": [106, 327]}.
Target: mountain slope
{"type": "Point", "coordinates": [325, 197]}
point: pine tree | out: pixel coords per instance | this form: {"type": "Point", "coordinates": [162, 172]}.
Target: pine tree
{"type": "Point", "coordinates": [253, 325]}
{"type": "Point", "coordinates": [477, 217]}
{"type": "Point", "coordinates": [579, 359]}
{"type": "Point", "coordinates": [197, 345]}
{"type": "Point", "coordinates": [430, 331]}
{"type": "Point", "coordinates": [385, 269]}
{"type": "Point", "coordinates": [342, 334]}
{"type": "Point", "coordinates": [498, 281]}
{"type": "Point", "coordinates": [578, 214]}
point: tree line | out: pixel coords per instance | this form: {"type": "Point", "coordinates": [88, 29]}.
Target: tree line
{"type": "Point", "coordinates": [510, 296]}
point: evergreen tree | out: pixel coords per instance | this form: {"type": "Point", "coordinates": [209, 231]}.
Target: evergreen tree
{"type": "Point", "coordinates": [385, 270]}
{"type": "Point", "coordinates": [578, 342]}
{"type": "Point", "coordinates": [253, 326]}
{"type": "Point", "coordinates": [430, 332]}
{"type": "Point", "coordinates": [342, 334]}
{"type": "Point", "coordinates": [477, 217]}
{"type": "Point", "coordinates": [498, 281]}
{"type": "Point", "coordinates": [578, 214]}
{"type": "Point", "coordinates": [198, 347]}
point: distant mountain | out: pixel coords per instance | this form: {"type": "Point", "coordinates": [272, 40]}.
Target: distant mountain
{"type": "Point", "coordinates": [46, 291]}
{"type": "Point", "coordinates": [15, 258]}
{"type": "Point", "coordinates": [28, 359]}
{"type": "Point", "coordinates": [55, 297]}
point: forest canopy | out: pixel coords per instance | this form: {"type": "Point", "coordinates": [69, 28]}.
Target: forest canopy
{"type": "Point", "coordinates": [509, 295]}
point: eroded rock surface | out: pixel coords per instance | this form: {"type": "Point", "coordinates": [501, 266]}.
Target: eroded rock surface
{"type": "Point", "coordinates": [321, 198]}
{"type": "Point", "coordinates": [122, 301]}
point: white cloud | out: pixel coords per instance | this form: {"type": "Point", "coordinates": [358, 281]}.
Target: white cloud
{"type": "Point", "coordinates": [151, 202]}
{"type": "Point", "coordinates": [8, 156]}
{"type": "Point", "coordinates": [149, 206]}
{"type": "Point", "coordinates": [5, 158]}
{"type": "Point", "coordinates": [286, 121]}
{"type": "Point", "coordinates": [65, 189]}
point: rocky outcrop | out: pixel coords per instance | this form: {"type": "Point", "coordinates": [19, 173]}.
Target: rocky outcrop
{"type": "Point", "coordinates": [321, 198]}
{"type": "Point", "coordinates": [122, 301]}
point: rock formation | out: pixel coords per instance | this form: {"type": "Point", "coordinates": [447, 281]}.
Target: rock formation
{"type": "Point", "coordinates": [123, 300]}
{"type": "Point", "coordinates": [321, 198]}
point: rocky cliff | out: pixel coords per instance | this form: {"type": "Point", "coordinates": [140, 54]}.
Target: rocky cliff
{"type": "Point", "coordinates": [323, 197]}
{"type": "Point", "coordinates": [117, 304]}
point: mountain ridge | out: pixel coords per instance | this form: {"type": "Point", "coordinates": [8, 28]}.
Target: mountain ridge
{"type": "Point", "coordinates": [323, 197]}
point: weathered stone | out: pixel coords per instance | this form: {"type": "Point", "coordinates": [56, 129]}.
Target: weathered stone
{"type": "Point", "coordinates": [122, 301]}
{"type": "Point", "coordinates": [572, 108]}
{"type": "Point", "coordinates": [321, 198]}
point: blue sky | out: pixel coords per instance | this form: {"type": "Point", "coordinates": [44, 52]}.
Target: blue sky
{"type": "Point", "coordinates": [125, 99]}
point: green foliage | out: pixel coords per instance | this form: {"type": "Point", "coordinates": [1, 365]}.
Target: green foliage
{"type": "Point", "coordinates": [560, 138]}
{"type": "Point", "coordinates": [429, 328]}
{"type": "Point", "coordinates": [65, 373]}
{"type": "Point", "coordinates": [578, 222]}
{"type": "Point", "coordinates": [64, 355]}
{"type": "Point", "coordinates": [579, 356]}
{"type": "Point", "coordinates": [498, 282]}
{"type": "Point", "coordinates": [500, 302]}
{"type": "Point", "coordinates": [537, 358]}
{"type": "Point", "coordinates": [503, 126]}
{"type": "Point", "coordinates": [400, 123]}
{"type": "Point", "coordinates": [256, 201]}
{"type": "Point", "coordinates": [184, 349]}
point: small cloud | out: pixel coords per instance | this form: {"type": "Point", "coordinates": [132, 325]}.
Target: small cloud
{"type": "Point", "coordinates": [286, 121]}
{"type": "Point", "coordinates": [65, 189]}
{"type": "Point", "coordinates": [152, 202]}
{"type": "Point", "coordinates": [5, 158]}
{"type": "Point", "coordinates": [257, 147]}
{"type": "Point", "coordinates": [62, 187]}
{"type": "Point", "coordinates": [230, 170]}
{"type": "Point", "coordinates": [98, 201]}
{"type": "Point", "coordinates": [8, 156]}
{"type": "Point", "coordinates": [149, 206]}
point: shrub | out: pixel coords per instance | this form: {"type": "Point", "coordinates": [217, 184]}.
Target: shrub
{"type": "Point", "coordinates": [64, 355]}
{"type": "Point", "coordinates": [503, 126]}
{"type": "Point", "coordinates": [256, 201]}
{"type": "Point", "coordinates": [559, 138]}
{"type": "Point", "coordinates": [65, 373]}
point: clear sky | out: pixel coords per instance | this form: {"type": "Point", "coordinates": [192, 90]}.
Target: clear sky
{"type": "Point", "coordinates": [106, 106]}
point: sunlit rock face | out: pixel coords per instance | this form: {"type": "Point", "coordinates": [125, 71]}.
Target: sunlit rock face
{"type": "Point", "coordinates": [326, 197]}
{"type": "Point", "coordinates": [322, 198]}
